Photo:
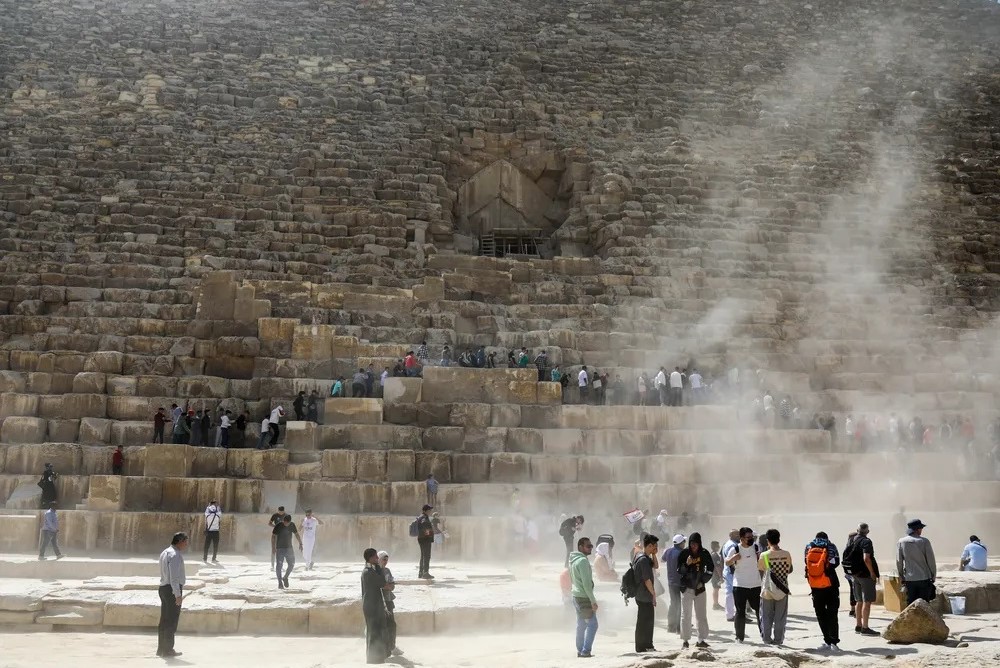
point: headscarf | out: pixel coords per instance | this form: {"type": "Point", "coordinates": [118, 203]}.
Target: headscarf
{"type": "Point", "coordinates": [383, 554]}
{"type": "Point", "coordinates": [604, 550]}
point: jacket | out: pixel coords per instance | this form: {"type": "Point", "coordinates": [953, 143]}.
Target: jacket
{"type": "Point", "coordinates": [694, 576]}
{"type": "Point", "coordinates": [581, 576]}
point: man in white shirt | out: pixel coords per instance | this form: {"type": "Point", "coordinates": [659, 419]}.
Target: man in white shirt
{"type": "Point", "coordinates": [224, 425]}
{"type": "Point", "coordinates": [583, 380]}
{"type": "Point", "coordinates": [308, 526]}
{"type": "Point", "coordinates": [265, 430]}
{"type": "Point", "coordinates": [213, 522]}
{"type": "Point", "coordinates": [696, 386]}
{"type": "Point", "coordinates": [661, 385]}
{"type": "Point", "coordinates": [746, 579]}
{"type": "Point", "coordinates": [171, 593]}
{"type": "Point", "coordinates": [274, 420]}
{"type": "Point", "coordinates": [676, 383]}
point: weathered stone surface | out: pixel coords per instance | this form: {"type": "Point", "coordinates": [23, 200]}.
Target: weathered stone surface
{"type": "Point", "coordinates": [353, 411]}
{"type": "Point", "coordinates": [106, 492]}
{"type": "Point", "coordinates": [917, 623]}
{"type": "Point", "coordinates": [399, 390]}
{"type": "Point", "coordinates": [168, 460]}
{"type": "Point", "coordinates": [23, 430]}
{"type": "Point", "coordinates": [301, 436]}
{"type": "Point", "coordinates": [90, 383]}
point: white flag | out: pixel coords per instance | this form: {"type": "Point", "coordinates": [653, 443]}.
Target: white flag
{"type": "Point", "coordinates": [634, 516]}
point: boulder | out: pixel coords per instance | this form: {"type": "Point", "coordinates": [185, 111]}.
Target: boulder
{"type": "Point", "coordinates": [917, 623]}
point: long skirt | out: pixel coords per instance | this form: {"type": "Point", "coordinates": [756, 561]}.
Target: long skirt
{"type": "Point", "coordinates": [376, 627]}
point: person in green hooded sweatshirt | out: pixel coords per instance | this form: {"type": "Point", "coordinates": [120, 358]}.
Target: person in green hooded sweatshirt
{"type": "Point", "coordinates": [582, 591]}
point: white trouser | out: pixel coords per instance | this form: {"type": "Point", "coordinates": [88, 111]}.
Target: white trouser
{"type": "Point", "coordinates": [308, 543]}
{"type": "Point", "coordinates": [730, 602]}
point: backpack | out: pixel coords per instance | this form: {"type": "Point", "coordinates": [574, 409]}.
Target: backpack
{"type": "Point", "coordinates": [630, 586]}
{"type": "Point", "coordinates": [816, 562]}
{"type": "Point", "coordinates": [415, 528]}
{"type": "Point", "coordinates": [853, 559]}
{"type": "Point", "coordinates": [772, 585]}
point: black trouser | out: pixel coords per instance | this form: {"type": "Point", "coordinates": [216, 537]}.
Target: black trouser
{"type": "Point", "coordinates": [569, 547]}
{"type": "Point", "coordinates": [644, 626]}
{"type": "Point", "coordinates": [742, 596]}
{"type": "Point", "coordinates": [158, 434]}
{"type": "Point", "coordinates": [212, 537]}
{"type": "Point", "coordinates": [826, 603]}
{"type": "Point", "coordinates": [425, 556]}
{"type": "Point", "coordinates": [170, 613]}
{"type": "Point", "coordinates": [273, 428]}
{"type": "Point", "coordinates": [116, 469]}
{"type": "Point", "coordinates": [850, 587]}
{"type": "Point", "coordinates": [49, 537]}
{"type": "Point", "coordinates": [299, 415]}
{"type": "Point", "coordinates": [357, 390]}
{"type": "Point", "coordinates": [924, 589]}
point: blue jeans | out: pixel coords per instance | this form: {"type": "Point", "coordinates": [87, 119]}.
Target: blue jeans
{"type": "Point", "coordinates": [586, 627]}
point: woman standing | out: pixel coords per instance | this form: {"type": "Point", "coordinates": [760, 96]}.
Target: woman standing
{"type": "Point", "coordinates": [695, 566]}
{"type": "Point", "coordinates": [389, 594]}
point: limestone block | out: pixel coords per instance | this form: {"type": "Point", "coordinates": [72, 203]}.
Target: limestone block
{"type": "Point", "coordinates": [384, 436]}
{"type": "Point", "coordinates": [133, 608]}
{"type": "Point", "coordinates": [23, 430]}
{"type": "Point", "coordinates": [63, 431]}
{"type": "Point", "coordinates": [401, 391]}
{"type": "Point", "coordinates": [400, 305]}
{"type": "Point", "coordinates": [105, 362]}
{"type": "Point", "coordinates": [276, 335]}
{"type": "Point", "coordinates": [73, 406]}
{"type": "Point", "coordinates": [470, 415]}
{"type": "Point", "coordinates": [542, 417]}
{"type": "Point", "coordinates": [509, 467]}
{"type": "Point", "coordinates": [312, 342]}
{"type": "Point", "coordinates": [238, 346]}
{"type": "Point", "coordinates": [274, 618]}
{"type": "Point", "coordinates": [31, 459]}
{"type": "Point", "coordinates": [341, 618]}
{"type": "Point", "coordinates": [90, 382]}
{"type": "Point", "coordinates": [491, 439]}
{"type": "Point", "coordinates": [106, 492]}
{"type": "Point", "coordinates": [247, 496]}
{"type": "Point", "coordinates": [340, 464]}
{"type": "Point", "coordinates": [202, 387]}
{"type": "Point", "coordinates": [444, 439]}
{"type": "Point", "coordinates": [407, 498]}
{"type": "Point", "coordinates": [202, 614]}
{"type": "Point", "coordinates": [524, 440]}
{"type": "Point", "coordinates": [12, 403]}
{"type": "Point", "coordinates": [438, 463]}
{"type": "Point", "coordinates": [549, 393]}
{"type": "Point", "coordinates": [470, 468]}
{"type": "Point", "coordinates": [494, 615]}
{"type": "Point", "coordinates": [168, 460]}
{"type": "Point", "coordinates": [274, 493]}
{"type": "Point", "coordinates": [155, 386]}
{"type": "Point", "coordinates": [505, 415]}
{"type": "Point", "coordinates": [371, 466]}
{"type": "Point", "coordinates": [264, 464]}
{"type": "Point", "coordinates": [917, 623]}
{"type": "Point", "coordinates": [209, 462]}
{"type": "Point", "coordinates": [301, 436]}
{"type": "Point", "coordinates": [400, 465]}
{"type": "Point", "coordinates": [142, 494]}
{"type": "Point", "coordinates": [546, 468]}
{"type": "Point", "coordinates": [121, 386]}
{"type": "Point", "coordinates": [95, 430]}
{"type": "Point", "coordinates": [522, 392]}
{"type": "Point", "coordinates": [304, 471]}
{"type": "Point", "coordinates": [25, 496]}
{"type": "Point", "coordinates": [343, 410]}
{"type": "Point", "coordinates": [12, 381]}
{"type": "Point", "coordinates": [8, 617]}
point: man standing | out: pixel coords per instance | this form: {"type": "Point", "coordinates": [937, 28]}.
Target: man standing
{"type": "Point", "coordinates": [171, 593]}
{"type": "Point", "coordinates": [206, 427]}
{"type": "Point", "coordinates": [568, 529]}
{"type": "Point", "coordinates": [273, 422]}
{"type": "Point", "coordinates": [746, 580]}
{"type": "Point", "coordinates": [670, 557]}
{"type": "Point", "coordinates": [915, 564]}
{"type": "Point", "coordinates": [358, 384]}
{"type": "Point", "coordinates": [195, 439]}
{"type": "Point", "coordinates": [697, 385]}
{"type": "Point", "coordinates": [582, 591]}
{"type": "Point", "coordinates": [696, 567]}
{"type": "Point", "coordinates": [660, 383]}
{"type": "Point", "coordinates": [224, 425]}
{"type": "Point", "coordinates": [542, 364]}
{"type": "Point", "coordinates": [274, 522]}
{"type": "Point", "coordinates": [373, 605]}
{"type": "Point", "coordinates": [213, 522]}
{"type": "Point", "coordinates": [676, 383]}
{"type": "Point", "coordinates": [117, 461]}
{"type": "Point", "coordinates": [47, 483]}
{"type": "Point", "coordinates": [425, 538]}
{"type": "Point", "coordinates": [974, 555]}
{"type": "Point", "coordinates": [281, 545]}
{"type": "Point", "coordinates": [645, 596]}
{"type": "Point", "coordinates": [241, 429]}
{"type": "Point", "coordinates": [309, 524]}
{"type": "Point", "coordinates": [298, 404]}
{"type": "Point", "coordinates": [432, 490]}
{"type": "Point", "coordinates": [265, 431]}
{"type": "Point", "coordinates": [822, 560]}
{"type": "Point", "coordinates": [50, 530]}
{"type": "Point", "coordinates": [776, 564]}
{"type": "Point", "coordinates": [728, 549]}
{"type": "Point", "coordinates": [583, 381]}
{"type": "Point", "coordinates": [859, 558]}
{"type": "Point", "coordinates": [159, 421]}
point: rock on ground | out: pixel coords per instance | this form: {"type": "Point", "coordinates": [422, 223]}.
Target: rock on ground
{"type": "Point", "coordinates": [917, 623]}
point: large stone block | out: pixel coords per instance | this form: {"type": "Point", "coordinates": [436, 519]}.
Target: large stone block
{"type": "Point", "coordinates": [312, 342]}
{"type": "Point", "coordinates": [384, 436]}
{"type": "Point", "coordinates": [471, 415]}
{"type": "Point", "coordinates": [64, 431]}
{"type": "Point", "coordinates": [400, 465]}
{"type": "Point", "coordinates": [11, 381]}
{"type": "Point", "coordinates": [340, 618]}
{"type": "Point", "coordinates": [438, 463]}
{"type": "Point", "coordinates": [210, 615]}
{"type": "Point", "coordinates": [444, 439]}
{"type": "Point", "coordinates": [156, 386]}
{"type": "Point", "coordinates": [106, 492]}
{"type": "Point", "coordinates": [276, 335]}
{"type": "Point", "coordinates": [301, 436]}
{"type": "Point", "coordinates": [179, 495]}
{"type": "Point", "coordinates": [524, 440]}
{"type": "Point", "coordinates": [142, 494]}
{"type": "Point", "coordinates": [90, 382]}
{"type": "Point", "coordinates": [121, 386]}
{"type": "Point", "coordinates": [30, 459]}
{"type": "Point", "coordinates": [282, 618]}
{"type": "Point", "coordinates": [95, 430]}
{"type": "Point", "coordinates": [73, 406]}
{"type": "Point", "coordinates": [491, 439]}
{"type": "Point", "coordinates": [12, 403]}
{"type": "Point", "coordinates": [140, 608]}
{"type": "Point", "coordinates": [105, 362]}
{"type": "Point", "coordinates": [470, 468]}
{"type": "Point", "coordinates": [371, 466]}
{"type": "Point", "coordinates": [169, 461]}
{"type": "Point", "coordinates": [510, 467]}
{"type": "Point", "coordinates": [203, 387]}
{"type": "Point", "coordinates": [352, 411]}
{"type": "Point", "coordinates": [17, 429]}
{"type": "Point", "coordinates": [553, 469]}
{"type": "Point", "coordinates": [549, 393]}
{"type": "Point", "coordinates": [401, 390]}
{"type": "Point", "coordinates": [339, 464]}
{"type": "Point", "coordinates": [209, 462]}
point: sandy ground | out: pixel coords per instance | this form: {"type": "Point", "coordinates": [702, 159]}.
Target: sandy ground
{"type": "Point", "coordinates": [613, 648]}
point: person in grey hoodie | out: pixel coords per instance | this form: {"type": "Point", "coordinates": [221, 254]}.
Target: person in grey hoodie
{"type": "Point", "coordinates": [582, 579]}
{"type": "Point", "coordinates": [915, 563]}
{"type": "Point", "coordinates": [670, 557]}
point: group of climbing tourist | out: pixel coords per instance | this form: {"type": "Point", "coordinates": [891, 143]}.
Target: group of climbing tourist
{"type": "Point", "coordinates": [198, 427]}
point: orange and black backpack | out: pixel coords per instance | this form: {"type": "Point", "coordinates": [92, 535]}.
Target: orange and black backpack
{"type": "Point", "coordinates": [816, 565]}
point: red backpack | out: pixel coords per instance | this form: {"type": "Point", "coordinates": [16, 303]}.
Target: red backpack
{"type": "Point", "coordinates": [816, 564]}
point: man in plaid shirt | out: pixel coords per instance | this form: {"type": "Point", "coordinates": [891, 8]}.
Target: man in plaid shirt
{"type": "Point", "coordinates": [776, 564]}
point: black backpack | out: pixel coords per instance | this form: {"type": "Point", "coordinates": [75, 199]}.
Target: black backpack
{"type": "Point", "coordinates": [853, 558]}
{"type": "Point", "coordinates": [415, 528]}
{"type": "Point", "coordinates": [630, 585]}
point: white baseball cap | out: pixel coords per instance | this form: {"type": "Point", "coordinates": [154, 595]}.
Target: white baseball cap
{"type": "Point", "coordinates": [679, 538]}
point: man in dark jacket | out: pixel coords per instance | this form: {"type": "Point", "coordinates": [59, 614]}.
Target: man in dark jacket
{"type": "Point", "coordinates": [425, 538]}
{"type": "Point", "coordinates": [373, 607]}
{"type": "Point", "coordinates": [825, 588]}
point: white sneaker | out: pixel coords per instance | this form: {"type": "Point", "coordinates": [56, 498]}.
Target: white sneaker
{"type": "Point", "coordinates": [834, 648]}
{"type": "Point", "coordinates": [824, 648]}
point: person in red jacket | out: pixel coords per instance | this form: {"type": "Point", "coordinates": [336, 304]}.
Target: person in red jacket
{"type": "Point", "coordinates": [117, 461]}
